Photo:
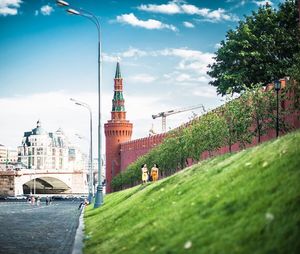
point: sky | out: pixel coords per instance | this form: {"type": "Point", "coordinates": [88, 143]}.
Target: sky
{"type": "Point", "coordinates": [48, 56]}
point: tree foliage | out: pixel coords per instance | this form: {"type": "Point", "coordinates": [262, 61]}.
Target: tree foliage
{"type": "Point", "coordinates": [260, 50]}
{"type": "Point", "coordinates": [238, 116]}
{"type": "Point", "coordinates": [237, 122]}
{"type": "Point", "coordinates": [263, 105]}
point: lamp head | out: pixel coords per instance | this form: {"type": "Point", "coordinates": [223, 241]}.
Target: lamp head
{"type": "Point", "coordinates": [277, 85]}
{"type": "Point", "coordinates": [62, 3]}
{"type": "Point", "coordinates": [73, 12]}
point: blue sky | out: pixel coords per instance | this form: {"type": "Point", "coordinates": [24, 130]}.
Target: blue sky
{"type": "Point", "coordinates": [164, 47]}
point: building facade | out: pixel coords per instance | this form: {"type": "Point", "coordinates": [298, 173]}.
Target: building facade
{"type": "Point", "coordinates": [117, 130]}
{"type": "Point", "coordinates": [8, 155]}
{"type": "Point", "coordinates": [49, 151]}
{"type": "Point", "coordinates": [8, 158]}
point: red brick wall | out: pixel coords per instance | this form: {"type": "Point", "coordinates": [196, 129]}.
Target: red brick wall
{"type": "Point", "coordinates": [132, 150]}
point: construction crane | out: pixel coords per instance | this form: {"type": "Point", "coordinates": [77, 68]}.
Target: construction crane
{"type": "Point", "coordinates": [164, 115]}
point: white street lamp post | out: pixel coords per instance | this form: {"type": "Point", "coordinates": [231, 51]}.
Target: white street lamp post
{"type": "Point", "coordinates": [94, 19]}
{"type": "Point", "coordinates": [85, 105]}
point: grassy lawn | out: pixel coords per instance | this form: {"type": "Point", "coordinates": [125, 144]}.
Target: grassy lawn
{"type": "Point", "coordinates": [248, 202]}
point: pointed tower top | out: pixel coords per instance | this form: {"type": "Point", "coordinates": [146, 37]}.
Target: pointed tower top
{"type": "Point", "coordinates": [118, 71]}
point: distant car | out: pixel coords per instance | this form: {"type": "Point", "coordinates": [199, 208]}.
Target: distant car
{"type": "Point", "coordinates": [20, 197]}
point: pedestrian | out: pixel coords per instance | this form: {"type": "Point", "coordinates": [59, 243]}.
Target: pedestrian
{"type": "Point", "coordinates": [154, 173]}
{"type": "Point", "coordinates": [81, 205]}
{"type": "Point", "coordinates": [32, 200]}
{"type": "Point", "coordinates": [47, 200]}
{"type": "Point", "coordinates": [38, 201]}
{"type": "Point", "coordinates": [145, 173]}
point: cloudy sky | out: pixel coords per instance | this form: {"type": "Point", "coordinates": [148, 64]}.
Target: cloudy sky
{"type": "Point", "coordinates": [164, 47]}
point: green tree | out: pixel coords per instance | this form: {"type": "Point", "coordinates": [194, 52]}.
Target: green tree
{"type": "Point", "coordinates": [261, 49]}
{"type": "Point", "coordinates": [238, 116]}
{"type": "Point", "coordinates": [263, 105]}
{"type": "Point", "coordinates": [206, 134]}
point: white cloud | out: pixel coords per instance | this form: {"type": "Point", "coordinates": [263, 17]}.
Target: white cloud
{"type": "Point", "coordinates": [238, 4]}
{"type": "Point", "coordinates": [192, 60]}
{"type": "Point", "coordinates": [141, 78]}
{"type": "Point", "coordinates": [109, 58]}
{"type": "Point", "coordinates": [9, 7]}
{"type": "Point", "coordinates": [194, 10]}
{"type": "Point", "coordinates": [187, 53]}
{"type": "Point", "coordinates": [218, 14]}
{"type": "Point", "coordinates": [133, 52]}
{"type": "Point", "coordinates": [191, 66]}
{"type": "Point", "coordinates": [205, 91]}
{"type": "Point", "coordinates": [130, 53]}
{"type": "Point", "coordinates": [181, 7]}
{"type": "Point", "coordinates": [186, 78]}
{"type": "Point", "coordinates": [169, 8]}
{"type": "Point", "coordinates": [46, 10]}
{"type": "Point", "coordinates": [183, 77]}
{"type": "Point", "coordinates": [151, 24]}
{"type": "Point", "coordinates": [188, 24]}
{"type": "Point", "coordinates": [264, 2]}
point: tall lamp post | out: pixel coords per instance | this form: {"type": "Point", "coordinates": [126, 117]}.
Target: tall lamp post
{"type": "Point", "coordinates": [86, 14]}
{"type": "Point", "coordinates": [85, 105]}
{"type": "Point", "coordinates": [277, 86]}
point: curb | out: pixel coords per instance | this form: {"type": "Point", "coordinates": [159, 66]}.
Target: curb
{"type": "Point", "coordinates": [78, 241]}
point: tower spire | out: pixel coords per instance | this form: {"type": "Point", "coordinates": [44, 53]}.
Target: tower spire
{"type": "Point", "coordinates": [118, 71]}
{"type": "Point", "coordinates": [118, 99]}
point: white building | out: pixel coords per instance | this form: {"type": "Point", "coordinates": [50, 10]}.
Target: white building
{"type": "Point", "coordinates": [8, 158]}
{"type": "Point", "coordinates": [49, 151]}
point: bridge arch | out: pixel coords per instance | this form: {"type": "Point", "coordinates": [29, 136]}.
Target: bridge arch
{"type": "Point", "coordinates": [45, 185]}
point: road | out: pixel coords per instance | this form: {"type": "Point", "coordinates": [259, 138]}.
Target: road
{"type": "Point", "coordinates": [38, 229]}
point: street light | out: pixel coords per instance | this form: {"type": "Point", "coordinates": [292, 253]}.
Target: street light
{"type": "Point", "coordinates": [277, 86]}
{"type": "Point", "coordinates": [85, 105]}
{"type": "Point", "coordinates": [86, 14]}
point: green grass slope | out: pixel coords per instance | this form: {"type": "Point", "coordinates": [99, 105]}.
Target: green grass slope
{"type": "Point", "coordinates": [247, 202]}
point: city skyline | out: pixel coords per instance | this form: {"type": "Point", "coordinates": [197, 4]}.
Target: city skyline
{"type": "Point", "coordinates": [164, 48]}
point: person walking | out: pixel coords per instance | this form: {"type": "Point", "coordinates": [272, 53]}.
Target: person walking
{"type": "Point", "coordinates": [33, 200]}
{"type": "Point", "coordinates": [154, 173]}
{"type": "Point", "coordinates": [38, 201]}
{"type": "Point", "coordinates": [145, 173]}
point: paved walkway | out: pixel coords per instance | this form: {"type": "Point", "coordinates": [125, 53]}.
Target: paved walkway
{"type": "Point", "coordinates": [44, 229]}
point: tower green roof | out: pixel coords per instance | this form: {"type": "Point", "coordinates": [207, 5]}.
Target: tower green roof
{"type": "Point", "coordinates": [118, 71]}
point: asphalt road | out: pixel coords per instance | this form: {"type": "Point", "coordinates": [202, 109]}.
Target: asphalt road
{"type": "Point", "coordinates": [31, 229]}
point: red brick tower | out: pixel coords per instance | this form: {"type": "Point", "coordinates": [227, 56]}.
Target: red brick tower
{"type": "Point", "coordinates": [117, 130]}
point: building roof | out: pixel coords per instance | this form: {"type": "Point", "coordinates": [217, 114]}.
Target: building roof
{"type": "Point", "coordinates": [38, 130]}
{"type": "Point", "coordinates": [57, 138]}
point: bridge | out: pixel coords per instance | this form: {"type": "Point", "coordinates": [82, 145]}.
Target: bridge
{"type": "Point", "coordinates": [13, 183]}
